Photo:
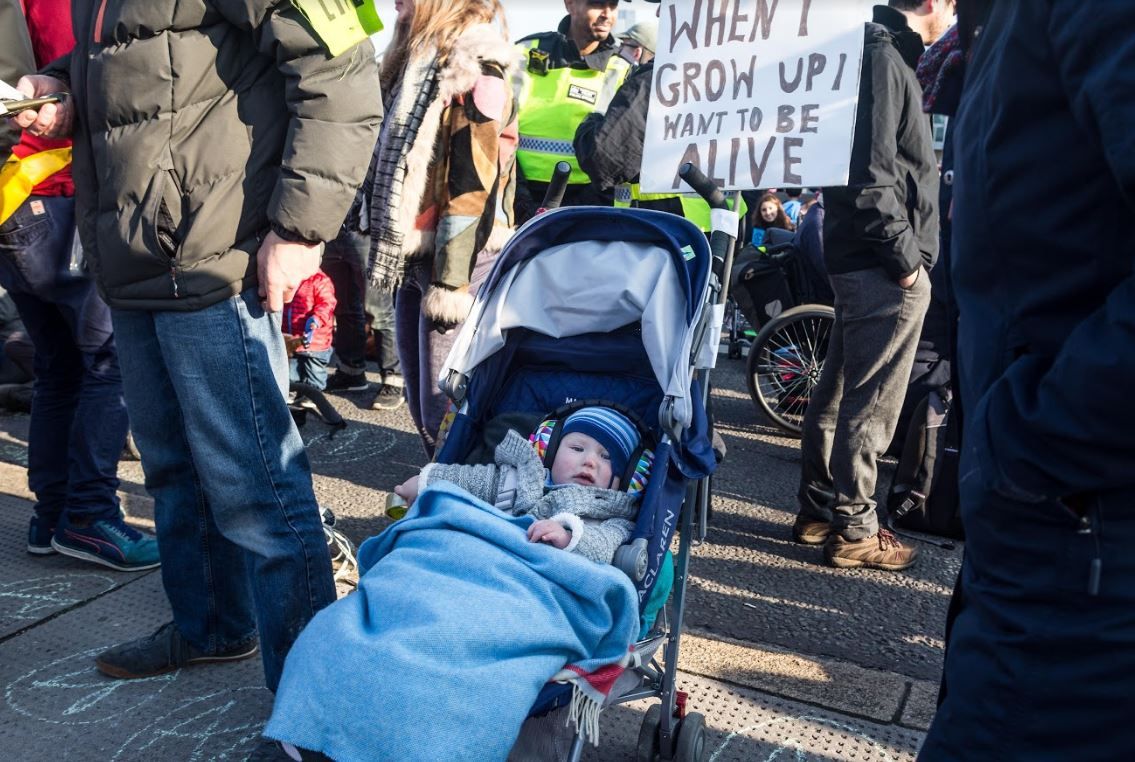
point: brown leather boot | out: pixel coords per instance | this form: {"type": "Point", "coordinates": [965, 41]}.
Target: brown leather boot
{"type": "Point", "coordinates": [883, 551]}
{"type": "Point", "coordinates": [810, 532]}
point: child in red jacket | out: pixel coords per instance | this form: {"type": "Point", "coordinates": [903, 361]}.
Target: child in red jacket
{"type": "Point", "coordinates": [309, 322]}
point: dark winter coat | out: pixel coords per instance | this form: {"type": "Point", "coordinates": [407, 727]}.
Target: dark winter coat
{"type": "Point", "coordinates": [1040, 659]}
{"type": "Point", "coordinates": [609, 146]}
{"type": "Point", "coordinates": [887, 214]}
{"type": "Point", "coordinates": [201, 124]}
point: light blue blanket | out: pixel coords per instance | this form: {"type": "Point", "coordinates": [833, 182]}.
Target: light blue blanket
{"type": "Point", "coordinates": [457, 624]}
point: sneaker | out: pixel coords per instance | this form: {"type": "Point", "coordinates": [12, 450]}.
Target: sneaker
{"type": "Point", "coordinates": [162, 652]}
{"type": "Point", "coordinates": [883, 551]}
{"type": "Point", "coordinates": [808, 532]}
{"type": "Point", "coordinates": [341, 381]}
{"type": "Point", "coordinates": [391, 394]}
{"type": "Point", "coordinates": [109, 542]}
{"type": "Point", "coordinates": [39, 537]}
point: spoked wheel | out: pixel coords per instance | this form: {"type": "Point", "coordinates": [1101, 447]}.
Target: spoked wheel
{"type": "Point", "coordinates": [785, 362]}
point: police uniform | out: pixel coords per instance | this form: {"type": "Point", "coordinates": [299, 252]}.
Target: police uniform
{"type": "Point", "coordinates": [557, 88]}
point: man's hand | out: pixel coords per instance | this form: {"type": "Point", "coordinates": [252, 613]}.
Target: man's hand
{"type": "Point", "coordinates": [551, 532]}
{"type": "Point", "coordinates": [907, 281]}
{"type": "Point", "coordinates": [53, 120]}
{"type": "Point", "coordinates": [281, 267]}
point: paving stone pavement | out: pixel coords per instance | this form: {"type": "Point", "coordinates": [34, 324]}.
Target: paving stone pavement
{"type": "Point", "coordinates": [786, 657]}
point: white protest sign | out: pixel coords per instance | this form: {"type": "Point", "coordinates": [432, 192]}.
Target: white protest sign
{"type": "Point", "coordinates": [756, 93]}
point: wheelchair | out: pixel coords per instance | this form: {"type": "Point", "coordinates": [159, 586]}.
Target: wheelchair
{"type": "Point", "coordinates": [788, 302]}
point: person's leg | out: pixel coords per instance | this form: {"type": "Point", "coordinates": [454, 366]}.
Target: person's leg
{"type": "Point", "coordinates": [381, 306]}
{"type": "Point", "coordinates": [882, 323]}
{"type": "Point", "coordinates": [313, 368]}
{"type": "Point", "coordinates": [392, 394]}
{"type": "Point", "coordinates": [227, 366]}
{"type": "Point", "coordinates": [26, 242]}
{"type": "Point", "coordinates": [58, 371]}
{"type": "Point", "coordinates": [204, 573]}
{"type": "Point", "coordinates": [433, 352]}
{"type": "Point", "coordinates": [407, 317]}
{"type": "Point", "coordinates": [344, 261]}
{"type": "Point", "coordinates": [79, 419]}
{"type": "Point", "coordinates": [816, 493]}
{"type": "Point", "coordinates": [98, 432]}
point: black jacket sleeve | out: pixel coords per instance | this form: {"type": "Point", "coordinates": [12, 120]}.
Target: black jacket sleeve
{"type": "Point", "coordinates": [880, 217]}
{"type": "Point", "coordinates": [609, 146]}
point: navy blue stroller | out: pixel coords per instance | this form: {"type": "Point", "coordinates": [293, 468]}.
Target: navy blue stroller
{"type": "Point", "coordinates": [613, 306]}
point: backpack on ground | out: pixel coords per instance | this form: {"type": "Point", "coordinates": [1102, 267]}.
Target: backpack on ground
{"type": "Point", "coordinates": [924, 494]}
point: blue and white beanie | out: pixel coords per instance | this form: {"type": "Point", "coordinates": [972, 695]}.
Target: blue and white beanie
{"type": "Point", "coordinates": [618, 435]}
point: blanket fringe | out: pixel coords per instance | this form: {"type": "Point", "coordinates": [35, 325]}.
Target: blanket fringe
{"type": "Point", "coordinates": [584, 714]}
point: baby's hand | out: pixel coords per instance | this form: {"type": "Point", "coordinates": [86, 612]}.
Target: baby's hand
{"type": "Point", "coordinates": [408, 490]}
{"type": "Point", "coordinates": [551, 532]}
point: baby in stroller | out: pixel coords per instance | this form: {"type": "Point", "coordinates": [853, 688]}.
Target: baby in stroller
{"type": "Point", "coordinates": [569, 475]}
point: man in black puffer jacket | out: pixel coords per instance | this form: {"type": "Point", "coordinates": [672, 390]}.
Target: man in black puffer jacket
{"type": "Point", "coordinates": [216, 146]}
{"type": "Point", "coordinates": [880, 236]}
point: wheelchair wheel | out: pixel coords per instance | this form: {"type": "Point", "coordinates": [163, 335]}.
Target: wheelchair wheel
{"type": "Point", "coordinates": [785, 362]}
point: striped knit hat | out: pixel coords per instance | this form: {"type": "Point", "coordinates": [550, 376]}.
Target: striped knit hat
{"type": "Point", "coordinates": [609, 428]}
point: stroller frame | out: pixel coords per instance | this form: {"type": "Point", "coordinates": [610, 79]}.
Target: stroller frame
{"type": "Point", "coordinates": [668, 732]}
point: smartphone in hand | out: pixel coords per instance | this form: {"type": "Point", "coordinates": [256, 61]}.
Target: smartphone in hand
{"type": "Point", "coordinates": [11, 108]}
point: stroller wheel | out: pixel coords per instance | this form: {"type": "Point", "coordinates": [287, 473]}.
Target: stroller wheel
{"type": "Point", "coordinates": [648, 735]}
{"type": "Point", "coordinates": [691, 739]}
{"type": "Point", "coordinates": [785, 363]}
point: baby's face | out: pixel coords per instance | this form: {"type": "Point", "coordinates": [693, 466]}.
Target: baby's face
{"type": "Point", "coordinates": [580, 459]}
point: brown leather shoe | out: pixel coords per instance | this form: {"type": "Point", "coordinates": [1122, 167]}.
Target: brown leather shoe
{"type": "Point", "coordinates": [809, 532]}
{"type": "Point", "coordinates": [883, 551]}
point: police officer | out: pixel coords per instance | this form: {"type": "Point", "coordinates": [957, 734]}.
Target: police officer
{"type": "Point", "coordinates": [564, 76]}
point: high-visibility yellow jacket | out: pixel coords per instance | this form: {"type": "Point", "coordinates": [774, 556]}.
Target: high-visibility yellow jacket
{"type": "Point", "coordinates": [555, 96]}
{"type": "Point", "coordinates": [694, 207]}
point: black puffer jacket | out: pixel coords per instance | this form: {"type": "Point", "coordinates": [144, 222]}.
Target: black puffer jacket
{"type": "Point", "coordinates": [887, 214]}
{"type": "Point", "coordinates": [201, 124]}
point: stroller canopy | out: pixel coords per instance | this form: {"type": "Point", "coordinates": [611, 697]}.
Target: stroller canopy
{"type": "Point", "coordinates": [595, 269]}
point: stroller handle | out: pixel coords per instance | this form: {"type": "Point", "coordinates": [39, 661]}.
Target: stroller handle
{"type": "Point", "coordinates": [554, 196]}
{"type": "Point", "coordinates": [702, 185]}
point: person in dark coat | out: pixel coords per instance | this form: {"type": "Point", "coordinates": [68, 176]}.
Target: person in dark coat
{"type": "Point", "coordinates": [880, 239]}
{"type": "Point", "coordinates": [1040, 650]}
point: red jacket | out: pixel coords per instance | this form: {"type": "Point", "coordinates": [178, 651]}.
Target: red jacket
{"type": "Point", "coordinates": [49, 26]}
{"type": "Point", "coordinates": [314, 298]}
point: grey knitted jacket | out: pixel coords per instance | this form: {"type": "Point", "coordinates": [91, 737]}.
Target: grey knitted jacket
{"type": "Point", "coordinates": [600, 519]}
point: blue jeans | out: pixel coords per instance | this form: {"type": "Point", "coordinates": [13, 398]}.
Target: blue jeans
{"type": "Point", "coordinates": [78, 421]}
{"type": "Point", "coordinates": [310, 368]}
{"type": "Point", "coordinates": [237, 523]}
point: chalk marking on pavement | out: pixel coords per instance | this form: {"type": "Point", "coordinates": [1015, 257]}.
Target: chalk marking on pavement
{"type": "Point", "coordinates": [797, 747]}
{"type": "Point", "coordinates": [348, 446]}
{"type": "Point", "coordinates": [209, 733]}
{"type": "Point", "coordinates": [91, 688]}
{"type": "Point", "coordinates": [39, 594]}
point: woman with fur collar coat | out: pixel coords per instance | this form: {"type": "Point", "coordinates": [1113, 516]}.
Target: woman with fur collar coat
{"type": "Point", "coordinates": [441, 180]}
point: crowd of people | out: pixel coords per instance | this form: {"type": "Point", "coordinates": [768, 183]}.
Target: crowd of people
{"type": "Point", "coordinates": [188, 205]}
